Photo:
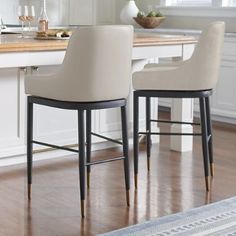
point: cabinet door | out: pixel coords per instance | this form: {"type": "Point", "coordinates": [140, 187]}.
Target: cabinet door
{"type": "Point", "coordinates": [12, 112]}
{"type": "Point", "coordinates": [224, 103]}
{"type": "Point", "coordinates": [109, 122]}
{"type": "Point", "coordinates": [82, 12]}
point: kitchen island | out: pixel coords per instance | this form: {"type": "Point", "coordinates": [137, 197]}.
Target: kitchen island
{"type": "Point", "coordinates": [26, 56]}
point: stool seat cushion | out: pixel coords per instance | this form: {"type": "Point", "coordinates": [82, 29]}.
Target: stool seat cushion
{"type": "Point", "coordinates": [158, 78]}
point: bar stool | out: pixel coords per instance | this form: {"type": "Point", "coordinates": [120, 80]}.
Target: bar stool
{"type": "Point", "coordinates": [193, 78]}
{"type": "Point", "coordinates": [95, 74]}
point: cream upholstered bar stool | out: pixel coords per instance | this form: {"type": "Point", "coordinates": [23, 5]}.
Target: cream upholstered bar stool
{"type": "Point", "coordinates": [95, 74]}
{"type": "Point", "coordinates": [193, 78]}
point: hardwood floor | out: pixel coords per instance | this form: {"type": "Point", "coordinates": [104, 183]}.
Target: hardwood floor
{"type": "Point", "coordinates": [175, 183]}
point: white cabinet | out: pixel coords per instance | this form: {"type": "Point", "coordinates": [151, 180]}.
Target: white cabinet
{"type": "Point", "coordinates": [224, 97]}
{"type": "Point", "coordinates": [109, 122]}
{"type": "Point", "coordinates": [12, 113]}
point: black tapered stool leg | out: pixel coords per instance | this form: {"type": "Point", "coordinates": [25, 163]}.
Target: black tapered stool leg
{"type": "Point", "coordinates": [204, 140]}
{"type": "Point", "coordinates": [148, 130]}
{"type": "Point", "coordinates": [125, 152]}
{"type": "Point", "coordinates": [88, 144]}
{"type": "Point", "coordinates": [81, 159]}
{"type": "Point", "coordinates": [209, 132]}
{"type": "Point", "coordinates": [135, 136]}
{"type": "Point", "coordinates": [29, 146]}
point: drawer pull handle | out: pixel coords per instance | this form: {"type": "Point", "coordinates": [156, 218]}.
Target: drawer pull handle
{"type": "Point", "coordinates": [34, 68]}
{"type": "Point", "coordinates": [24, 69]}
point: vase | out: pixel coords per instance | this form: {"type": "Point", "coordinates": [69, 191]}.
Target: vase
{"type": "Point", "coordinates": [129, 11]}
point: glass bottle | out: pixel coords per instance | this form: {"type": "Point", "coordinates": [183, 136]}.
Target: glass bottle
{"type": "Point", "coordinates": [43, 19]}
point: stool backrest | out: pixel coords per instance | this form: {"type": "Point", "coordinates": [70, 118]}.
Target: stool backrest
{"type": "Point", "coordinates": [97, 64]}
{"type": "Point", "coordinates": [205, 61]}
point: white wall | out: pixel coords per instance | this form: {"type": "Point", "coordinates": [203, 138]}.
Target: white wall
{"type": "Point", "coordinates": [144, 4]}
{"type": "Point", "coordinates": [8, 11]}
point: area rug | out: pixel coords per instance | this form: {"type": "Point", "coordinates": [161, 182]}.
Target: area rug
{"type": "Point", "coordinates": [218, 219]}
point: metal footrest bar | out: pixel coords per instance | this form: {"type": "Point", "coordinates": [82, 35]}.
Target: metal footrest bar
{"type": "Point", "coordinates": [104, 161]}
{"type": "Point", "coordinates": [209, 137]}
{"type": "Point", "coordinates": [192, 134]}
{"type": "Point", "coordinates": [175, 122]}
{"type": "Point", "coordinates": [56, 146]}
{"type": "Point", "coordinates": [108, 139]}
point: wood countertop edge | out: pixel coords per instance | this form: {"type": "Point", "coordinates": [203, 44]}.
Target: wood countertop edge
{"type": "Point", "coordinates": [31, 49]}
{"type": "Point", "coordinates": [140, 44]}
{"type": "Point", "coordinates": [12, 44]}
{"type": "Point", "coordinates": [41, 48]}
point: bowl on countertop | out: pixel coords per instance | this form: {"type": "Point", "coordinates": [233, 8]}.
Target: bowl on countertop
{"type": "Point", "coordinates": [149, 22]}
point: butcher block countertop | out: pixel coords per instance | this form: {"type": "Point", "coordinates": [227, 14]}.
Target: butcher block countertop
{"type": "Point", "coordinates": [12, 42]}
{"type": "Point", "coordinates": [149, 39]}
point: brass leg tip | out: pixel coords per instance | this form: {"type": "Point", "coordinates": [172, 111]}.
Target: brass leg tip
{"type": "Point", "coordinates": [29, 191]}
{"type": "Point", "coordinates": [212, 166]}
{"type": "Point", "coordinates": [127, 198]}
{"type": "Point", "coordinates": [136, 181]}
{"type": "Point", "coordinates": [82, 208]}
{"type": "Point", "coordinates": [207, 180]}
{"type": "Point", "coordinates": [88, 180]}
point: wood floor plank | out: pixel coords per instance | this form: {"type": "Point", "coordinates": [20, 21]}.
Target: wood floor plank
{"type": "Point", "coordinates": [175, 183]}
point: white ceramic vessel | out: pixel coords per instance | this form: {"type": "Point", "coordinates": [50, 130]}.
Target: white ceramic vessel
{"type": "Point", "coordinates": [129, 11]}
